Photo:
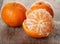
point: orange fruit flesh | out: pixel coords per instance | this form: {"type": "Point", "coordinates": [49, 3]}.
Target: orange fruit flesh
{"type": "Point", "coordinates": [31, 33]}
{"type": "Point", "coordinates": [38, 24]}
{"type": "Point", "coordinates": [41, 5]}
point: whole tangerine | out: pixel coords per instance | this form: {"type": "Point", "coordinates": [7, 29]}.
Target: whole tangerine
{"type": "Point", "coordinates": [41, 5]}
{"type": "Point", "coordinates": [13, 14]}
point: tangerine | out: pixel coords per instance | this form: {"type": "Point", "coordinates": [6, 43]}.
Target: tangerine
{"type": "Point", "coordinates": [39, 23]}
{"type": "Point", "coordinates": [13, 14]}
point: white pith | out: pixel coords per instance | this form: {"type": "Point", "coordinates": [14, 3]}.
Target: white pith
{"type": "Point", "coordinates": [39, 25]}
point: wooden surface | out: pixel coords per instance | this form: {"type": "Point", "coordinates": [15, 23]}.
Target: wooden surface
{"type": "Point", "coordinates": [10, 35]}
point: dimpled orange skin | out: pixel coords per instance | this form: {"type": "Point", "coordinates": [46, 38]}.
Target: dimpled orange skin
{"type": "Point", "coordinates": [13, 14]}
{"type": "Point", "coordinates": [41, 5]}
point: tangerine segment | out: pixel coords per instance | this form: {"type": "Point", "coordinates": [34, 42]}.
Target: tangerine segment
{"type": "Point", "coordinates": [39, 23]}
{"type": "Point", "coordinates": [41, 5]}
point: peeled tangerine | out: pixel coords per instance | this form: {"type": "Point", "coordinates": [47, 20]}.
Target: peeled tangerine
{"type": "Point", "coordinates": [39, 23]}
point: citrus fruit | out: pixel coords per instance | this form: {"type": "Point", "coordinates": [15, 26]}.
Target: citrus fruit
{"type": "Point", "coordinates": [13, 14]}
{"type": "Point", "coordinates": [41, 5]}
{"type": "Point", "coordinates": [39, 23]}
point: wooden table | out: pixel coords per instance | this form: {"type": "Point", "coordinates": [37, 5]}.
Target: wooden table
{"type": "Point", "coordinates": [10, 35]}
